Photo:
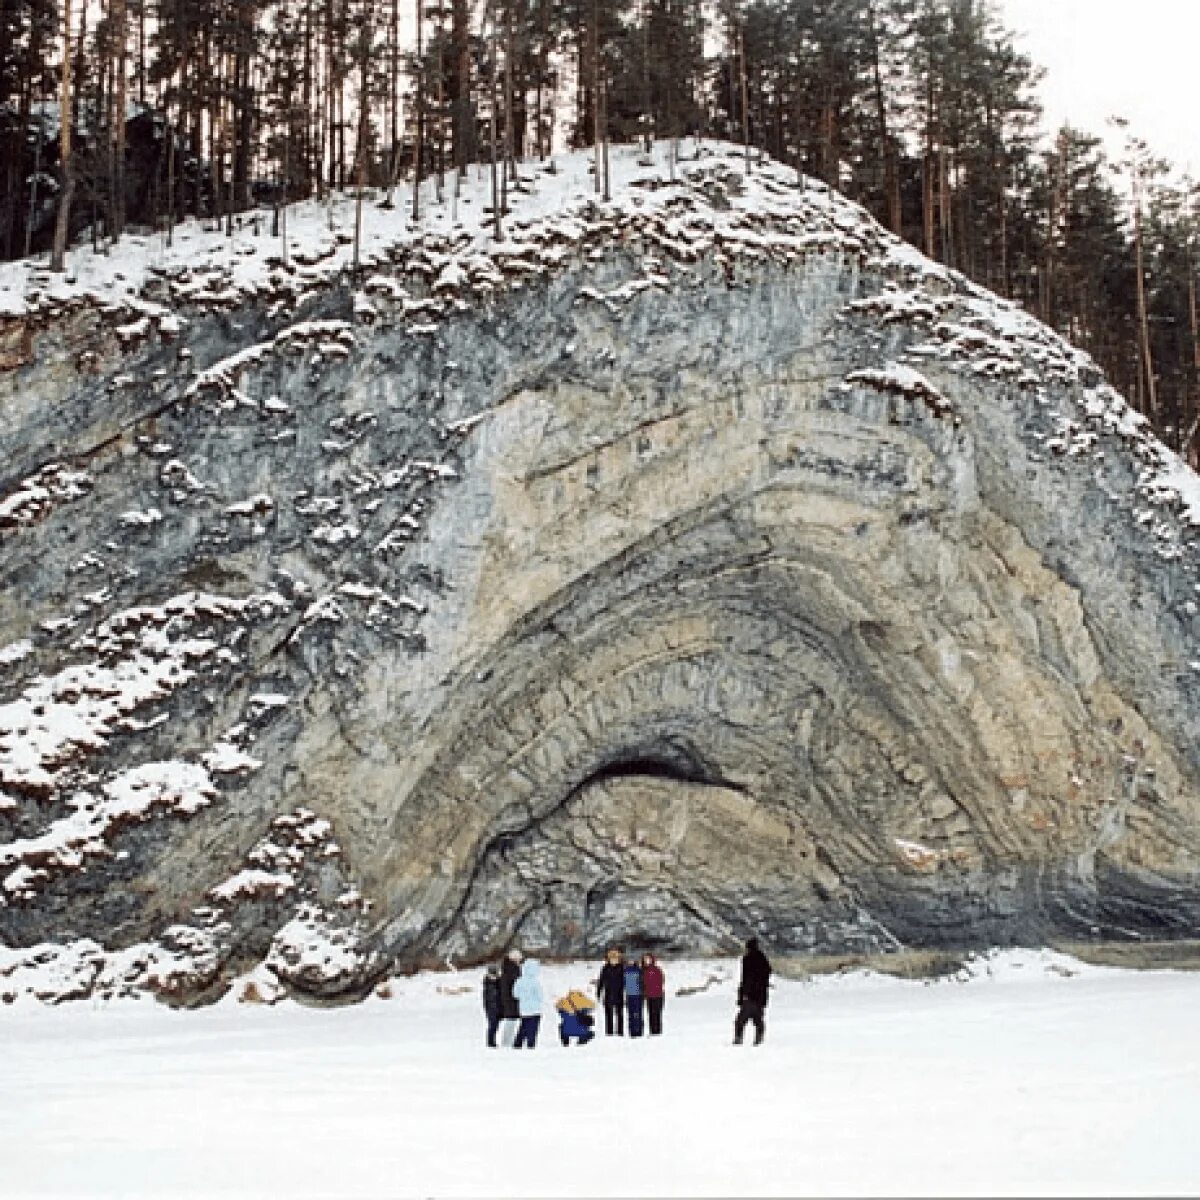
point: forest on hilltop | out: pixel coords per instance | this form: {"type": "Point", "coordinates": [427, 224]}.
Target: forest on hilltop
{"type": "Point", "coordinates": [923, 111]}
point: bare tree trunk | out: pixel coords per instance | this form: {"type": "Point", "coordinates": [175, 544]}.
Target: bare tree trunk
{"type": "Point", "coordinates": [1005, 288]}
{"type": "Point", "coordinates": [647, 119]}
{"type": "Point", "coordinates": [509, 148]}
{"type": "Point", "coordinates": [596, 116]}
{"type": "Point", "coordinates": [283, 212]}
{"type": "Point", "coordinates": [62, 219]}
{"type": "Point", "coordinates": [33, 183]}
{"type": "Point", "coordinates": [1189, 451]}
{"type": "Point", "coordinates": [121, 33]}
{"type": "Point", "coordinates": [246, 70]}
{"type": "Point", "coordinates": [1143, 314]}
{"type": "Point", "coordinates": [360, 180]}
{"type": "Point", "coordinates": [141, 69]}
{"type": "Point", "coordinates": [927, 168]}
{"type": "Point", "coordinates": [340, 97]}
{"type": "Point", "coordinates": [607, 192]}
{"type": "Point", "coordinates": [360, 150]}
{"type": "Point", "coordinates": [1058, 204]}
{"type": "Point", "coordinates": [440, 79]}
{"type": "Point", "coordinates": [798, 135]}
{"type": "Point", "coordinates": [891, 177]}
{"type": "Point", "coordinates": [419, 150]}
{"type": "Point", "coordinates": [945, 213]}
{"type": "Point", "coordinates": [171, 135]}
{"type": "Point", "coordinates": [493, 102]}
{"type": "Point", "coordinates": [745, 93]}
{"type": "Point", "coordinates": [329, 109]}
{"type": "Point", "coordinates": [460, 51]}
{"type": "Point", "coordinates": [215, 126]}
{"type": "Point", "coordinates": [97, 107]}
{"type": "Point", "coordinates": [1194, 325]}
{"type": "Point", "coordinates": [35, 51]}
{"type": "Point", "coordinates": [546, 106]}
{"type": "Point", "coordinates": [309, 159]}
{"type": "Point", "coordinates": [394, 98]}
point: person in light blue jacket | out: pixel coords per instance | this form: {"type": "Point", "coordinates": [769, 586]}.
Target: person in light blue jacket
{"type": "Point", "coordinates": [528, 991]}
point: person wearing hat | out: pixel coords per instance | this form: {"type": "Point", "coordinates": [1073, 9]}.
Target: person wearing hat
{"type": "Point", "coordinates": [752, 993]}
{"type": "Point", "coordinates": [610, 990]}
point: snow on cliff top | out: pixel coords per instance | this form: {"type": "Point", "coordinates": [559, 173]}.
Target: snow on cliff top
{"type": "Point", "coordinates": [682, 206]}
{"type": "Point", "coordinates": [317, 242]}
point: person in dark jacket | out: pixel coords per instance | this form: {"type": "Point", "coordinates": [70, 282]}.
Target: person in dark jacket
{"type": "Point", "coordinates": [510, 1010]}
{"type": "Point", "coordinates": [635, 1000]}
{"type": "Point", "coordinates": [610, 990]}
{"type": "Point", "coordinates": [654, 984]}
{"type": "Point", "coordinates": [752, 993]}
{"type": "Point", "coordinates": [491, 1002]}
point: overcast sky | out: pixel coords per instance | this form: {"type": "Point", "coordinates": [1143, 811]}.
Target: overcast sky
{"type": "Point", "coordinates": [1139, 59]}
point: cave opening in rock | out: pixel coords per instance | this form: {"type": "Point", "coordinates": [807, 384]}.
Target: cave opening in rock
{"type": "Point", "coordinates": [652, 768]}
{"type": "Point", "coordinates": [667, 760]}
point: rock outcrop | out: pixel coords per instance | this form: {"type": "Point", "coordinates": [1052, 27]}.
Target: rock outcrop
{"type": "Point", "coordinates": [700, 564]}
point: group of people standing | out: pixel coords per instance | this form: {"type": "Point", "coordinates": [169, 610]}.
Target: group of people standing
{"type": "Point", "coordinates": [631, 990]}
{"type": "Point", "coordinates": [636, 989]}
{"type": "Point", "coordinates": [512, 996]}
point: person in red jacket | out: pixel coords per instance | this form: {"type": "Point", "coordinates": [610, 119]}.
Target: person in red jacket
{"type": "Point", "coordinates": [654, 984]}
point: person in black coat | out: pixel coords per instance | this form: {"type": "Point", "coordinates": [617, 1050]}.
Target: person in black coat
{"type": "Point", "coordinates": [510, 1009]}
{"type": "Point", "coordinates": [610, 990]}
{"type": "Point", "coordinates": [491, 1002]}
{"type": "Point", "coordinates": [752, 993]}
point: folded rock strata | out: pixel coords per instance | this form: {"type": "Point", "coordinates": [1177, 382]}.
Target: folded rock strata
{"type": "Point", "coordinates": [700, 564]}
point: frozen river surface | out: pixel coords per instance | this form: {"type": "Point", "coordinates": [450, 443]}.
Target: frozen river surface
{"type": "Point", "coordinates": [1035, 1075]}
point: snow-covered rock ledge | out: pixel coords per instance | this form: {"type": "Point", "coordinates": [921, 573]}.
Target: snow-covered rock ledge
{"type": "Point", "coordinates": [295, 872]}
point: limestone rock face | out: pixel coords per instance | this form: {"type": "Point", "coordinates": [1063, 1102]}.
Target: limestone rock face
{"type": "Point", "coordinates": [702, 565]}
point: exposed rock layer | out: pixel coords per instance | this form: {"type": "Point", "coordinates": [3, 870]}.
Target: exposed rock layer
{"type": "Point", "coordinates": [769, 581]}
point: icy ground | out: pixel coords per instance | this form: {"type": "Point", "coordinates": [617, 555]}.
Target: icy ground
{"type": "Point", "coordinates": [1035, 1075]}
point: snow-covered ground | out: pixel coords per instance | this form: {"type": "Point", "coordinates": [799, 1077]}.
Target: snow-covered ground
{"type": "Point", "coordinates": [1034, 1075]}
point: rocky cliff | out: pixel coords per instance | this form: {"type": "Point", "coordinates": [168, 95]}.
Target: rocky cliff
{"type": "Point", "coordinates": [697, 564]}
